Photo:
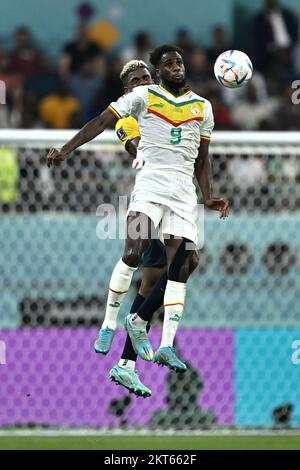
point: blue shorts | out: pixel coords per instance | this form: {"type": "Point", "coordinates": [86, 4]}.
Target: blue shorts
{"type": "Point", "coordinates": [155, 255]}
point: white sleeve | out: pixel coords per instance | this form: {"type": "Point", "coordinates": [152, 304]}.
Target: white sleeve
{"type": "Point", "coordinates": [208, 122]}
{"type": "Point", "coordinates": [130, 104]}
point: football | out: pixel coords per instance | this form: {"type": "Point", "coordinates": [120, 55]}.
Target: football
{"type": "Point", "coordinates": [233, 69]}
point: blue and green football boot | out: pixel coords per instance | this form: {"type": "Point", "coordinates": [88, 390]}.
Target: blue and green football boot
{"type": "Point", "coordinates": [103, 343]}
{"type": "Point", "coordinates": [130, 380]}
{"type": "Point", "coordinates": [139, 339]}
{"type": "Point", "coordinates": [167, 357]}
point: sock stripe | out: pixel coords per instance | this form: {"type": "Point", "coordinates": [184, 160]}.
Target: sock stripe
{"type": "Point", "coordinates": [176, 303]}
{"type": "Point", "coordinates": [117, 291]}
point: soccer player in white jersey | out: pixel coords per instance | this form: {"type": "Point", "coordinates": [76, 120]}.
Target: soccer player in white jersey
{"type": "Point", "coordinates": [175, 131]}
{"type": "Point", "coordinates": [154, 279]}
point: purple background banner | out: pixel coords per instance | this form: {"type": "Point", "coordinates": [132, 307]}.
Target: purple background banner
{"type": "Point", "coordinates": [53, 377]}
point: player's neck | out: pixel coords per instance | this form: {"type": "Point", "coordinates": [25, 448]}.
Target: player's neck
{"type": "Point", "coordinates": [174, 91]}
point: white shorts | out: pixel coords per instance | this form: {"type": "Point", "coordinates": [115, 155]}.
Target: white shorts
{"type": "Point", "coordinates": [166, 221]}
{"type": "Point", "coordinates": [169, 199]}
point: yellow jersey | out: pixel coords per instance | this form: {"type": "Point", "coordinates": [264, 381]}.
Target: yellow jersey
{"type": "Point", "coordinates": [127, 129]}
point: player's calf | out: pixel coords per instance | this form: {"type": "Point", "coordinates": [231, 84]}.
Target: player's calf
{"type": "Point", "coordinates": [118, 287]}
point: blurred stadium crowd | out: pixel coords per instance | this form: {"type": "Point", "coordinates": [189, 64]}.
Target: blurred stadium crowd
{"type": "Point", "coordinates": [85, 78]}
{"type": "Point", "coordinates": [67, 93]}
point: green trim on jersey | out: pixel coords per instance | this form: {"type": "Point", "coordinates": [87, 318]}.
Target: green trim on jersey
{"type": "Point", "coordinates": [172, 102]}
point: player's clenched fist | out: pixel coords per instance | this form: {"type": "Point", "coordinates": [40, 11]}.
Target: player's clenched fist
{"type": "Point", "coordinates": [55, 156]}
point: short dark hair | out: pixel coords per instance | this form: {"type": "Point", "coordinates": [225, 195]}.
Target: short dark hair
{"type": "Point", "coordinates": [156, 54]}
{"type": "Point", "coordinates": [132, 66]}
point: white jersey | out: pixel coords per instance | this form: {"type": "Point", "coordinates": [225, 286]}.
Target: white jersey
{"type": "Point", "coordinates": [171, 127]}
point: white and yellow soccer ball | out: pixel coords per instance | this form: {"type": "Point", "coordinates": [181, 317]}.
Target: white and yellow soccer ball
{"type": "Point", "coordinates": [233, 69]}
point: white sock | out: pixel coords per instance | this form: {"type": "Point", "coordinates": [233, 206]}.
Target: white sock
{"type": "Point", "coordinates": [174, 304]}
{"type": "Point", "coordinates": [136, 321]}
{"type": "Point", "coordinates": [119, 284]}
{"type": "Point", "coordinates": [126, 364]}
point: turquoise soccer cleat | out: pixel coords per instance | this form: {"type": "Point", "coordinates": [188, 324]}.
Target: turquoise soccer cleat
{"type": "Point", "coordinates": [140, 341]}
{"type": "Point", "coordinates": [130, 380]}
{"type": "Point", "coordinates": [103, 343]}
{"type": "Point", "coordinates": [167, 357]}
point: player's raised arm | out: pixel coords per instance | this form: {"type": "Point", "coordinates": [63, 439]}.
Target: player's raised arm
{"type": "Point", "coordinates": [93, 128]}
{"type": "Point", "coordinates": [203, 176]}
{"type": "Point", "coordinates": [130, 104]}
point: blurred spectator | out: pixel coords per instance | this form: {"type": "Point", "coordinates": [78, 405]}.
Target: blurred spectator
{"type": "Point", "coordinates": [221, 112]}
{"type": "Point", "coordinates": [101, 32]}
{"type": "Point", "coordinates": [283, 168]}
{"type": "Point", "coordinates": [286, 116]}
{"type": "Point", "coordinates": [9, 175]}
{"type": "Point", "coordinates": [198, 71]}
{"type": "Point", "coordinates": [84, 85]}
{"type": "Point", "coordinates": [231, 96]}
{"type": "Point", "coordinates": [140, 49]}
{"type": "Point", "coordinates": [251, 112]}
{"type": "Point", "coordinates": [112, 88]}
{"type": "Point", "coordinates": [290, 168]}
{"type": "Point", "coordinates": [43, 81]}
{"type": "Point", "coordinates": [60, 109]}
{"type": "Point", "coordinates": [76, 52]}
{"type": "Point", "coordinates": [219, 43]}
{"type": "Point", "coordinates": [275, 36]}
{"type": "Point", "coordinates": [11, 115]}
{"type": "Point", "coordinates": [15, 102]}
{"type": "Point", "coordinates": [247, 172]}
{"type": "Point", "coordinates": [185, 42]}
{"type": "Point", "coordinates": [25, 58]}
{"type": "Point", "coordinates": [10, 77]}
{"type": "Point", "coordinates": [38, 86]}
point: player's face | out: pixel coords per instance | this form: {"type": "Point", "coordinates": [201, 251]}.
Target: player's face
{"type": "Point", "coordinates": [171, 69]}
{"type": "Point", "coordinates": [138, 77]}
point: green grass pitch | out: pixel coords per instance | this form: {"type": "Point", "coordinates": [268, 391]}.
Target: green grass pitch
{"type": "Point", "coordinates": [258, 442]}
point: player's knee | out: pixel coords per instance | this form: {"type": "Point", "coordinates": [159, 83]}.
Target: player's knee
{"type": "Point", "coordinates": [131, 258]}
{"type": "Point", "coordinates": [133, 254]}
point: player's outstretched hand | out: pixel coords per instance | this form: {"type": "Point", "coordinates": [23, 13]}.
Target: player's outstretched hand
{"type": "Point", "coordinates": [219, 204]}
{"type": "Point", "coordinates": [55, 156]}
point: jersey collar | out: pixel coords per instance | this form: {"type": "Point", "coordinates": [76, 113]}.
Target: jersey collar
{"type": "Point", "coordinates": [186, 88]}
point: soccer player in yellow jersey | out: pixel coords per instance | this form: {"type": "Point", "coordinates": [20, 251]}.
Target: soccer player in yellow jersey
{"type": "Point", "coordinates": [175, 128]}
{"type": "Point", "coordinates": [136, 73]}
